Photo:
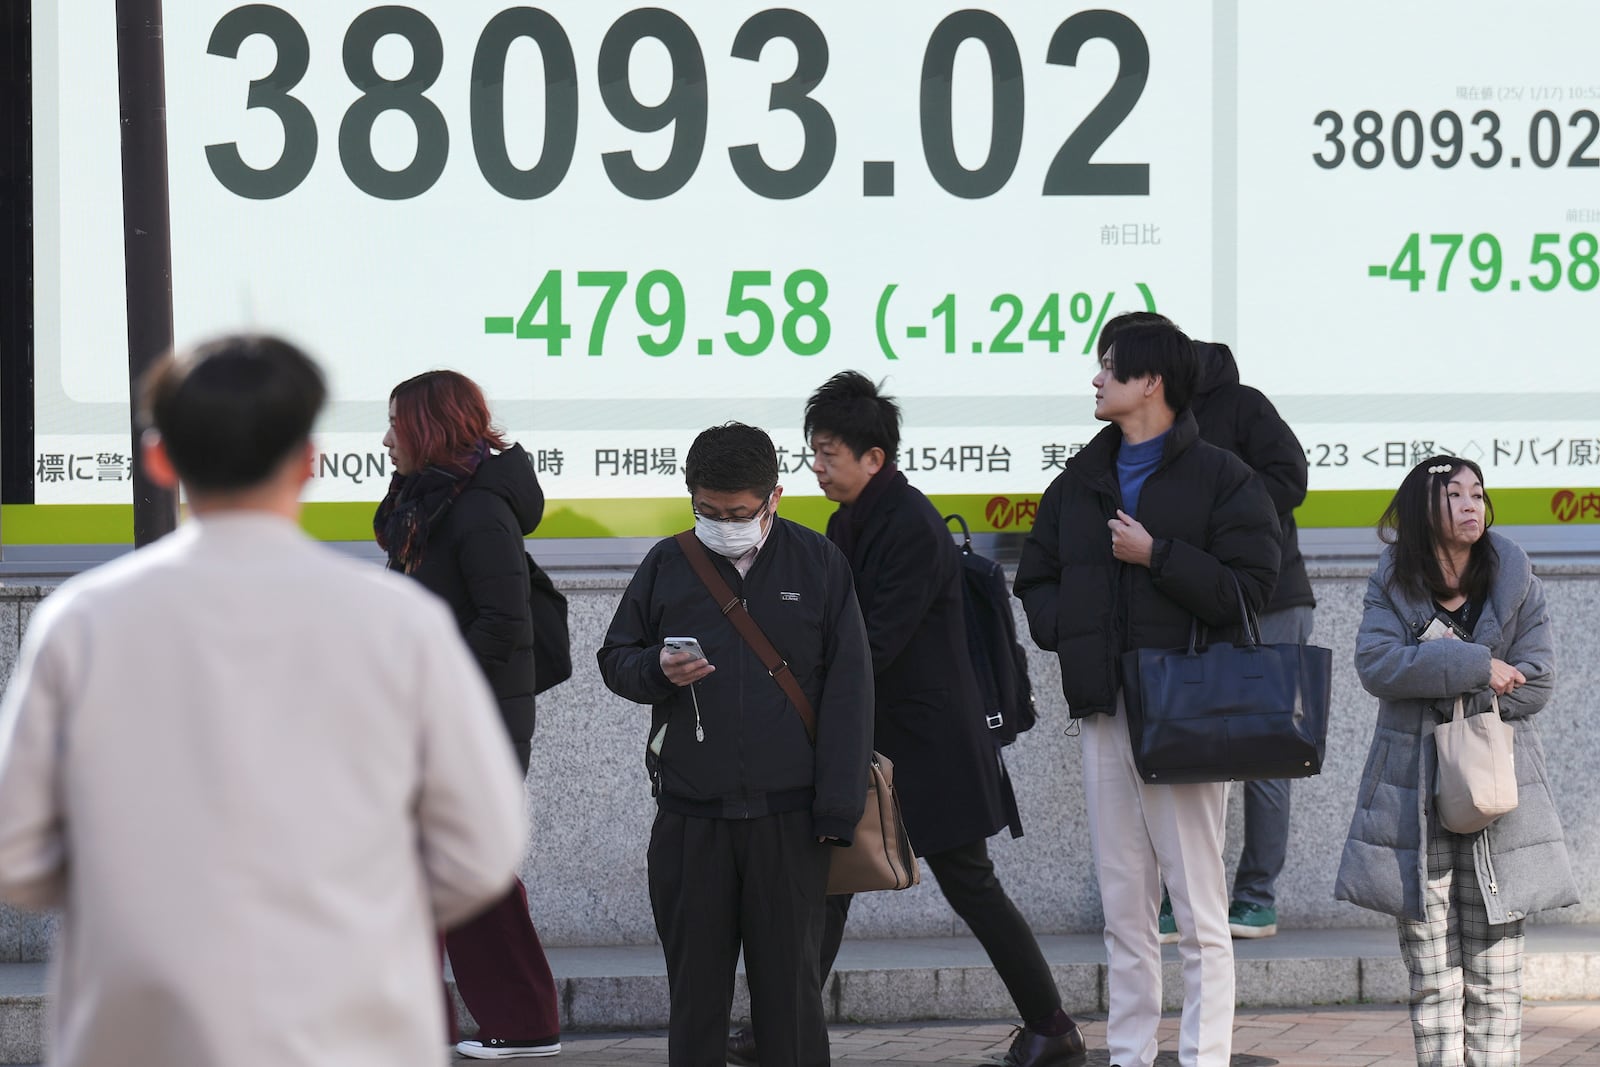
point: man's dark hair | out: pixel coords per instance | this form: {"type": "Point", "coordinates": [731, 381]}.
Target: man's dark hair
{"type": "Point", "coordinates": [1118, 323]}
{"type": "Point", "coordinates": [1161, 349]}
{"type": "Point", "coordinates": [732, 458]}
{"type": "Point", "coordinates": [230, 411]}
{"type": "Point", "coordinates": [849, 407]}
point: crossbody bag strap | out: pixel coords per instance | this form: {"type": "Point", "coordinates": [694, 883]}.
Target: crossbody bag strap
{"type": "Point", "coordinates": [733, 607]}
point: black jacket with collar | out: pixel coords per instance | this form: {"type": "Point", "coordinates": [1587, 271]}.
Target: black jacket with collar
{"type": "Point", "coordinates": [755, 758]}
{"type": "Point", "coordinates": [1212, 521]}
{"type": "Point", "coordinates": [929, 715]}
{"type": "Point", "coordinates": [1234, 416]}
{"type": "Point", "coordinates": [477, 561]}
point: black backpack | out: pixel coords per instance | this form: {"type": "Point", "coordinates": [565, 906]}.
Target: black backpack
{"type": "Point", "coordinates": [998, 661]}
{"type": "Point", "coordinates": [552, 643]}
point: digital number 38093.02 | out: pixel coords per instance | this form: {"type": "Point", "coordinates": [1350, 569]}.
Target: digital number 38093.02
{"type": "Point", "coordinates": [685, 107]}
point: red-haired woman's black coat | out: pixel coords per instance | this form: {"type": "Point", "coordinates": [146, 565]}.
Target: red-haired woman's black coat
{"type": "Point", "coordinates": [477, 561]}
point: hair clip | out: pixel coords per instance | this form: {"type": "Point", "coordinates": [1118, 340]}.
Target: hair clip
{"type": "Point", "coordinates": [1440, 468]}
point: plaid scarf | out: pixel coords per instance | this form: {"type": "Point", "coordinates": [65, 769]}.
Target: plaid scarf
{"type": "Point", "coordinates": [414, 505]}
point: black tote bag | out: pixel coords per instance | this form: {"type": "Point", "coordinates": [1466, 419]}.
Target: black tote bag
{"type": "Point", "coordinates": [1227, 712]}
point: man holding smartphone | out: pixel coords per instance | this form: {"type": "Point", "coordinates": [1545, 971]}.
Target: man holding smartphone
{"type": "Point", "coordinates": [749, 809]}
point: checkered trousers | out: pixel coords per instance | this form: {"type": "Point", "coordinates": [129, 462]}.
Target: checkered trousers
{"type": "Point", "coordinates": [1466, 975]}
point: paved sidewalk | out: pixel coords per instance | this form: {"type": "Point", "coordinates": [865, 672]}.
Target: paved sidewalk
{"type": "Point", "coordinates": [1554, 1034]}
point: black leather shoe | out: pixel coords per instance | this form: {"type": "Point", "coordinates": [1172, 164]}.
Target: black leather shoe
{"type": "Point", "coordinates": [742, 1048]}
{"type": "Point", "coordinates": [1033, 1049]}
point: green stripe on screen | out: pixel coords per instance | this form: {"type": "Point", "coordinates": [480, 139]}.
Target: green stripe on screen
{"type": "Point", "coordinates": [95, 524]}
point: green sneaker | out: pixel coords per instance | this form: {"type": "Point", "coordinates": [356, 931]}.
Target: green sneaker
{"type": "Point", "coordinates": [1166, 924]}
{"type": "Point", "coordinates": [1252, 920]}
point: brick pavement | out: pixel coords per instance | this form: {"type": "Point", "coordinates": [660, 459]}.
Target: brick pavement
{"type": "Point", "coordinates": [1554, 1034]}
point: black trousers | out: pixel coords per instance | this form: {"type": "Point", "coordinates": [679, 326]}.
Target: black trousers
{"type": "Point", "coordinates": [966, 878]}
{"type": "Point", "coordinates": [717, 885]}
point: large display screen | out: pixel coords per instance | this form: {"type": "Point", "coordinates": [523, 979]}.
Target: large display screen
{"type": "Point", "coordinates": [629, 223]}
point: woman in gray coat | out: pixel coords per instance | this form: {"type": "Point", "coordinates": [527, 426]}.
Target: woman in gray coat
{"type": "Point", "coordinates": [1460, 898]}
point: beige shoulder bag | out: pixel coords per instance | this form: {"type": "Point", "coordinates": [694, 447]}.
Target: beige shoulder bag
{"type": "Point", "coordinates": [1477, 778]}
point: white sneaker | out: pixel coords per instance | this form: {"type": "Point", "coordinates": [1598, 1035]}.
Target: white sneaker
{"type": "Point", "coordinates": [499, 1048]}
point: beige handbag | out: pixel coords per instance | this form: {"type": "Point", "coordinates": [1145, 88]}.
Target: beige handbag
{"type": "Point", "coordinates": [1477, 780]}
{"type": "Point", "coordinates": [880, 857]}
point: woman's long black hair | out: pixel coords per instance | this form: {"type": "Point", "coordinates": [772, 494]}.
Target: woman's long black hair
{"type": "Point", "coordinates": [1412, 523]}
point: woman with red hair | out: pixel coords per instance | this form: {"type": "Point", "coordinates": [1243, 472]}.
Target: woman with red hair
{"type": "Point", "coordinates": [459, 505]}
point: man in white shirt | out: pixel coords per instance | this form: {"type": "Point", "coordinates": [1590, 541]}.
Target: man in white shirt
{"type": "Point", "coordinates": [255, 776]}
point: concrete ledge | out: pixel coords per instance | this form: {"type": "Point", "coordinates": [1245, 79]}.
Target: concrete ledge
{"type": "Point", "coordinates": [22, 1012]}
{"type": "Point", "coordinates": [26, 936]}
{"type": "Point", "coordinates": [876, 981]}
{"type": "Point", "coordinates": [21, 1029]}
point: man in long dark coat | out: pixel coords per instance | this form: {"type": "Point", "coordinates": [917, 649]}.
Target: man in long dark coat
{"type": "Point", "coordinates": [929, 719]}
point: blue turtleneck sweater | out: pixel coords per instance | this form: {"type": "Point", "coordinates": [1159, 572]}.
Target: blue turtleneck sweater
{"type": "Point", "coordinates": [1134, 464]}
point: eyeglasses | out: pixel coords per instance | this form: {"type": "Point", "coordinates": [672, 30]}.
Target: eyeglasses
{"type": "Point", "coordinates": [735, 520]}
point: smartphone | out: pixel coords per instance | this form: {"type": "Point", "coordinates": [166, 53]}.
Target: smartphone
{"type": "Point", "coordinates": [1442, 626]}
{"type": "Point", "coordinates": [685, 644]}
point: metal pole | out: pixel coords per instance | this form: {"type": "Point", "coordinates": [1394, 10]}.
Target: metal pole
{"type": "Point", "coordinates": [147, 232]}
{"type": "Point", "coordinates": [16, 256]}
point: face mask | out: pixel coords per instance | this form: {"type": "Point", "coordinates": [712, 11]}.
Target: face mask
{"type": "Point", "coordinates": [730, 539]}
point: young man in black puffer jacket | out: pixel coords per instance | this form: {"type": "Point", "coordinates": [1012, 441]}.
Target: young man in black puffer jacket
{"type": "Point", "coordinates": [1147, 529]}
{"type": "Point", "coordinates": [1234, 416]}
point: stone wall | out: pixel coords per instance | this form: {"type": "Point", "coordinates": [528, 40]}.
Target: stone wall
{"type": "Point", "coordinates": [591, 803]}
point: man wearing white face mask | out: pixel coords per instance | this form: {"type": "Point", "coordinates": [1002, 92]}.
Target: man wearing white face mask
{"type": "Point", "coordinates": [749, 808]}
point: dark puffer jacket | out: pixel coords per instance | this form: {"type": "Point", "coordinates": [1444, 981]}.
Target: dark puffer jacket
{"type": "Point", "coordinates": [1236, 417]}
{"type": "Point", "coordinates": [477, 561]}
{"type": "Point", "coordinates": [1212, 522]}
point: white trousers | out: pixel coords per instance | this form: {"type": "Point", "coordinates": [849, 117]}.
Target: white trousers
{"type": "Point", "coordinates": [1143, 834]}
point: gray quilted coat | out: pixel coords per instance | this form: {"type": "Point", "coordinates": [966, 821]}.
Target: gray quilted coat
{"type": "Point", "coordinates": [1521, 858]}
